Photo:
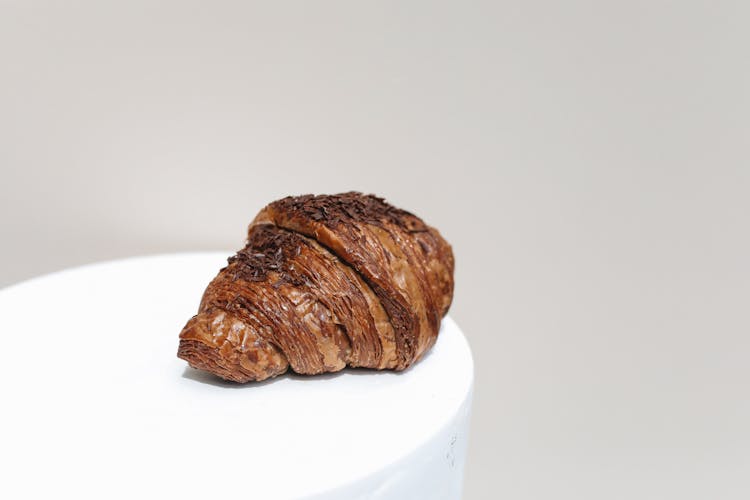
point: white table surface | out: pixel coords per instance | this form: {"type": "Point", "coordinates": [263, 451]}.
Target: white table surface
{"type": "Point", "coordinates": [97, 405]}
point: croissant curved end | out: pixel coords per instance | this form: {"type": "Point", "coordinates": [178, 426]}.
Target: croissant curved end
{"type": "Point", "coordinates": [219, 343]}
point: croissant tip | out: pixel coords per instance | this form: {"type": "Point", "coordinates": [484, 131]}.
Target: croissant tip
{"type": "Point", "coordinates": [202, 357]}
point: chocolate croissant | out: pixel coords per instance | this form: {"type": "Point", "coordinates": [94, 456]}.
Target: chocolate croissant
{"type": "Point", "coordinates": [324, 282]}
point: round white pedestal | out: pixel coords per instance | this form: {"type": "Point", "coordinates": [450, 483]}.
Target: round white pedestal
{"type": "Point", "coordinates": [97, 405]}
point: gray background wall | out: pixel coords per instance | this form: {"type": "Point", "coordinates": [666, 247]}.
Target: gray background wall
{"type": "Point", "coordinates": [588, 161]}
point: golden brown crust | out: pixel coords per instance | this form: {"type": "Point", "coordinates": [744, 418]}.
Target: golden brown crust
{"type": "Point", "coordinates": [393, 250]}
{"type": "Point", "coordinates": [324, 282]}
{"type": "Point", "coordinates": [260, 287]}
{"type": "Point", "coordinates": [221, 343]}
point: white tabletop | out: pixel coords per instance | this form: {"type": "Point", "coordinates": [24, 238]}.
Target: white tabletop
{"type": "Point", "coordinates": [98, 405]}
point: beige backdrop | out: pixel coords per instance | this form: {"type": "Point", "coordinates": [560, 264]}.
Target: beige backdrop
{"type": "Point", "coordinates": [588, 160]}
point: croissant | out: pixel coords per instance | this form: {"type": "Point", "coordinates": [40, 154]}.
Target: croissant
{"type": "Point", "coordinates": [323, 282]}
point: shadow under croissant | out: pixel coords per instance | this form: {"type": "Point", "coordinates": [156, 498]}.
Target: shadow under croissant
{"type": "Point", "coordinates": [205, 377]}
